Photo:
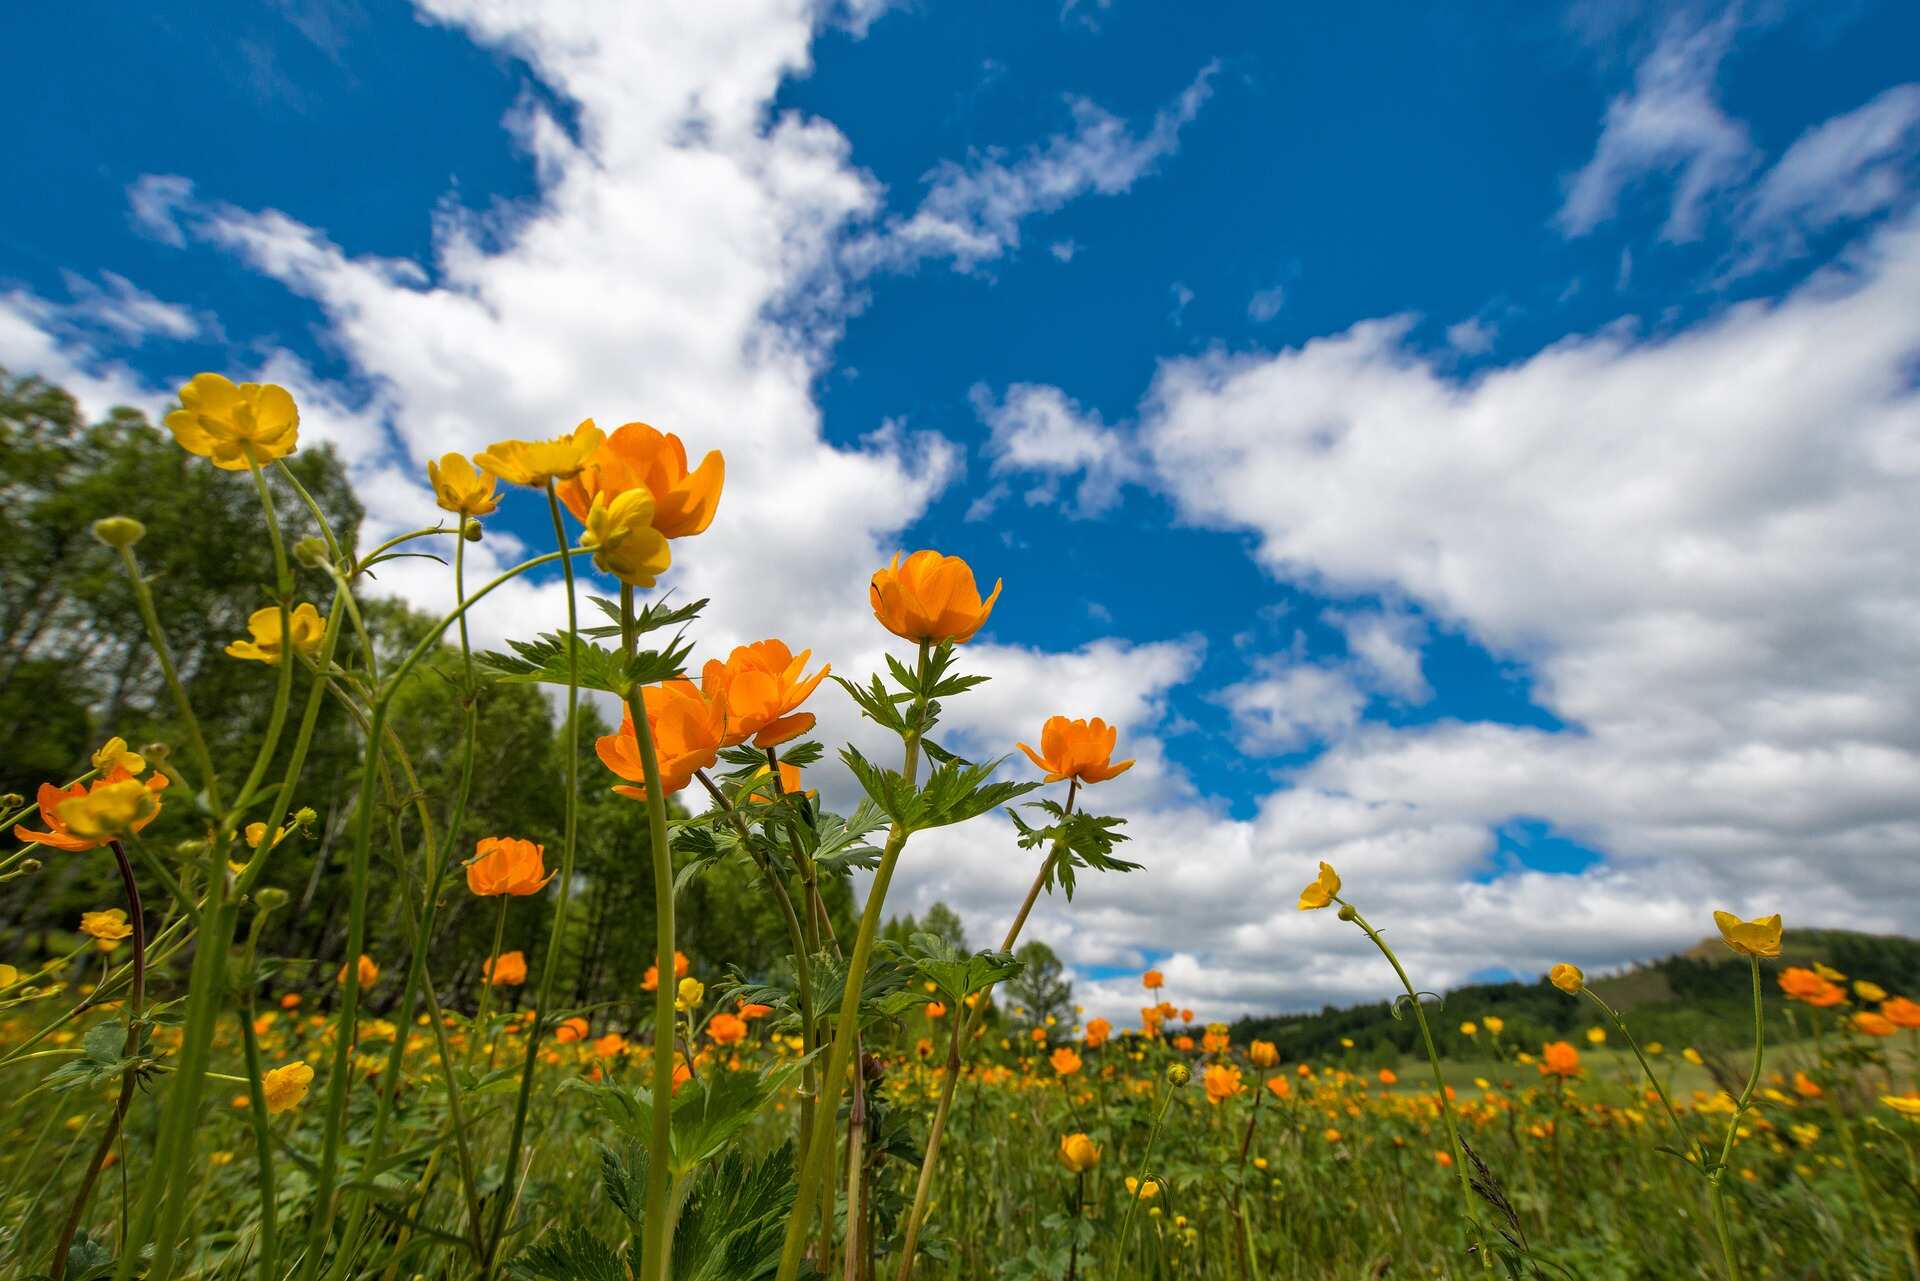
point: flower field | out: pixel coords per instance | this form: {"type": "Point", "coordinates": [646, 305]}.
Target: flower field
{"type": "Point", "coordinates": [440, 1080]}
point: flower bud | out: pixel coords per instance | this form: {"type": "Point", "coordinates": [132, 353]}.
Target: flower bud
{"type": "Point", "coordinates": [304, 818]}
{"type": "Point", "coordinates": [119, 531]}
{"type": "Point", "coordinates": [1346, 912]}
{"type": "Point", "coordinates": [271, 898]}
{"type": "Point", "coordinates": [1179, 1074]}
{"type": "Point", "coordinates": [311, 552]}
{"type": "Point", "coordinates": [472, 531]}
{"type": "Point", "coordinates": [12, 801]}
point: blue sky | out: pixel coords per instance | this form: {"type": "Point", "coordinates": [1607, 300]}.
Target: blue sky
{"type": "Point", "coordinates": [1463, 444]}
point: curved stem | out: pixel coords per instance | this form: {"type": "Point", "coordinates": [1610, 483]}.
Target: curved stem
{"type": "Point", "coordinates": [1139, 1192]}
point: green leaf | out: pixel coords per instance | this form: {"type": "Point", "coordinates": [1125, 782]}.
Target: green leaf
{"type": "Point", "coordinates": [957, 975]}
{"type": "Point", "coordinates": [650, 618]}
{"type": "Point", "coordinates": [573, 1254]}
{"type": "Point", "coordinates": [958, 791]}
{"type": "Point", "coordinates": [546, 661]}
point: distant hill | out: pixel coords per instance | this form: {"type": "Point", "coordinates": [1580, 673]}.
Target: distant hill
{"type": "Point", "coordinates": [1699, 997]}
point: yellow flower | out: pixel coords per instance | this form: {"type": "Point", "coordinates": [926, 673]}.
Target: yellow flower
{"type": "Point", "coordinates": [1758, 937]}
{"type": "Point", "coordinates": [460, 489]}
{"type": "Point", "coordinates": [110, 810]}
{"type": "Point", "coordinates": [1828, 973]}
{"type": "Point", "coordinates": [624, 542]}
{"type": "Point", "coordinates": [1078, 1153]}
{"type": "Point", "coordinates": [1493, 1023]}
{"type": "Point", "coordinates": [1469, 1028]}
{"type": "Point", "coordinates": [9, 975]}
{"type": "Point", "coordinates": [114, 755]}
{"type": "Point", "coordinates": [265, 647]}
{"type": "Point", "coordinates": [1692, 1056]}
{"type": "Point", "coordinates": [230, 424]}
{"type": "Point", "coordinates": [536, 462]}
{"type": "Point", "coordinates": [1567, 978]}
{"type": "Point", "coordinates": [107, 928]}
{"type": "Point", "coordinates": [1320, 893]}
{"type": "Point", "coordinates": [1907, 1106]}
{"type": "Point", "coordinates": [1596, 1036]}
{"type": "Point", "coordinates": [1872, 993]}
{"type": "Point", "coordinates": [1146, 1192]}
{"type": "Point", "coordinates": [689, 994]}
{"type": "Point", "coordinates": [257, 832]}
{"type": "Point", "coordinates": [284, 1087]}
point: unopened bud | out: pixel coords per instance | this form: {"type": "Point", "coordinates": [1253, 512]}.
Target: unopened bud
{"type": "Point", "coordinates": [119, 531]}
{"type": "Point", "coordinates": [271, 898]}
{"type": "Point", "coordinates": [304, 818]}
{"type": "Point", "coordinates": [1178, 1074]}
{"type": "Point", "coordinates": [12, 801]}
{"type": "Point", "coordinates": [311, 552]}
{"type": "Point", "coordinates": [472, 531]}
{"type": "Point", "coordinates": [1347, 913]}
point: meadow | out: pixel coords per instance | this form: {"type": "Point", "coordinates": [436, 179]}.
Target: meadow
{"type": "Point", "coordinates": [288, 991]}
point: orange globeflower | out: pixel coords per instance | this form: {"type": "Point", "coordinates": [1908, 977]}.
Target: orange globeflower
{"type": "Point", "coordinates": [1184, 1044]}
{"type": "Point", "coordinates": [1902, 1012]}
{"type": "Point", "coordinates": [762, 685]}
{"type": "Point", "coordinates": [1065, 1062]}
{"type": "Point", "coordinates": [930, 598]}
{"type": "Point", "coordinates": [1098, 1030]}
{"type": "Point", "coordinates": [1810, 988]}
{"type": "Point", "coordinates": [571, 1030]}
{"type": "Point", "coordinates": [1153, 980]}
{"type": "Point", "coordinates": [726, 1029]}
{"type": "Point", "coordinates": [688, 728]}
{"type": "Point", "coordinates": [59, 834]}
{"type": "Point", "coordinates": [1263, 1054]}
{"type": "Point", "coordinates": [1222, 1082]}
{"type": "Point", "coordinates": [1868, 1023]}
{"type": "Point", "coordinates": [1186, 1016]}
{"type": "Point", "coordinates": [1388, 1077]}
{"type": "Point", "coordinates": [507, 865]}
{"type": "Point", "coordinates": [509, 969]}
{"type": "Point", "coordinates": [1279, 1086]}
{"type": "Point", "coordinates": [637, 456]}
{"type": "Point", "coordinates": [1557, 1058]}
{"type": "Point", "coordinates": [751, 1010]}
{"type": "Point", "coordinates": [651, 981]}
{"type": "Point", "coordinates": [935, 1010]}
{"type": "Point", "coordinates": [609, 1045]}
{"type": "Point", "coordinates": [369, 972]}
{"type": "Point", "coordinates": [1079, 750]}
{"type": "Point", "coordinates": [536, 462]}
{"type": "Point", "coordinates": [1215, 1039]}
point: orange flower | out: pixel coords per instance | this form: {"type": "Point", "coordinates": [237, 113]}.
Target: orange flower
{"type": "Point", "coordinates": [571, 1030]}
{"type": "Point", "coordinates": [1557, 1058]}
{"type": "Point", "coordinates": [1184, 1044]}
{"type": "Point", "coordinates": [1215, 1039]}
{"type": "Point", "coordinates": [930, 598]}
{"type": "Point", "coordinates": [1806, 1087]}
{"type": "Point", "coordinates": [509, 969]}
{"type": "Point", "coordinates": [291, 1001]}
{"type": "Point", "coordinates": [1222, 1082]}
{"type": "Point", "coordinates": [1810, 988]}
{"type": "Point", "coordinates": [1279, 1086]}
{"type": "Point", "coordinates": [935, 1010]}
{"type": "Point", "coordinates": [749, 1011]}
{"type": "Point", "coordinates": [762, 685]}
{"type": "Point", "coordinates": [369, 972]}
{"type": "Point", "coordinates": [1388, 1077]}
{"type": "Point", "coordinates": [637, 456]}
{"type": "Point", "coordinates": [1902, 1012]}
{"type": "Point", "coordinates": [1098, 1030]}
{"type": "Point", "coordinates": [609, 1045]}
{"type": "Point", "coordinates": [726, 1029]}
{"type": "Point", "coordinates": [58, 835]}
{"type": "Point", "coordinates": [507, 865]}
{"type": "Point", "coordinates": [1077, 749]}
{"type": "Point", "coordinates": [1065, 1062]}
{"type": "Point", "coordinates": [1078, 1153]}
{"type": "Point", "coordinates": [1153, 980]}
{"type": "Point", "coordinates": [688, 728]}
{"type": "Point", "coordinates": [1867, 1023]}
{"type": "Point", "coordinates": [1263, 1054]}
{"type": "Point", "coordinates": [651, 982]}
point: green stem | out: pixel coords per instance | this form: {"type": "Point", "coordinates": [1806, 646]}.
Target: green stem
{"type": "Point", "coordinates": [815, 1162]}
{"type": "Point", "coordinates": [556, 940]}
{"type": "Point", "coordinates": [1433, 1059]}
{"type": "Point", "coordinates": [1139, 1192]}
{"type": "Point", "coordinates": [1718, 1175]}
{"type": "Point", "coordinates": [262, 1140]}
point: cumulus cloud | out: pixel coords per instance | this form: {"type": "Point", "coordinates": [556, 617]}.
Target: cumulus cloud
{"type": "Point", "coordinates": [973, 210]}
{"type": "Point", "coordinates": [1669, 123]}
{"type": "Point", "coordinates": [1036, 429]}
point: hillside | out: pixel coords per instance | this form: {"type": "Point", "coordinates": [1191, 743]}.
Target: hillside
{"type": "Point", "coordinates": [1696, 997]}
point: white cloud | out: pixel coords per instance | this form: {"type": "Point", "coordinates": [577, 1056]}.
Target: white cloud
{"type": "Point", "coordinates": [1064, 250]}
{"type": "Point", "coordinates": [1670, 123]}
{"type": "Point", "coordinates": [972, 212]}
{"type": "Point", "coordinates": [1846, 168]}
{"type": "Point", "coordinates": [152, 201]}
{"type": "Point", "coordinates": [1290, 706]}
{"type": "Point", "coordinates": [129, 311]}
{"type": "Point", "coordinates": [1472, 336]}
{"type": "Point", "coordinates": [1038, 429]}
{"type": "Point", "coordinates": [1266, 304]}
